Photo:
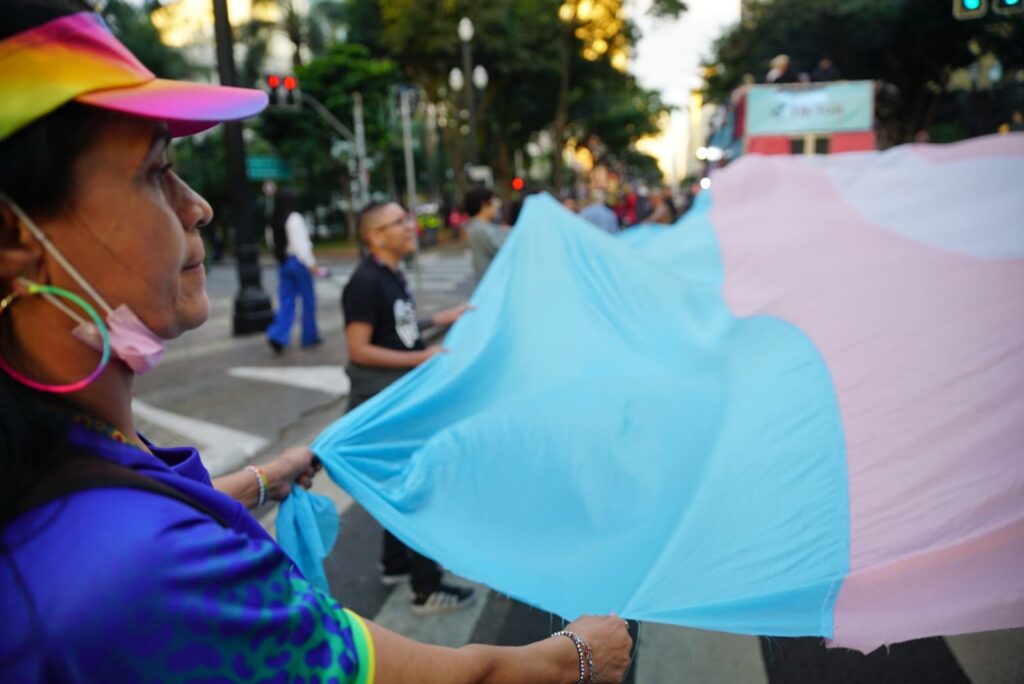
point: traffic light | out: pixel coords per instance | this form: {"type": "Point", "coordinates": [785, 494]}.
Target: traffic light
{"type": "Point", "coordinates": [284, 92]}
{"type": "Point", "coordinates": [518, 184]}
{"type": "Point", "coordinates": [1008, 6]}
{"type": "Point", "coordinates": [970, 9]}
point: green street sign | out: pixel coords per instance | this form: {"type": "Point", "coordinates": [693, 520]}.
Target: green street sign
{"type": "Point", "coordinates": [259, 167]}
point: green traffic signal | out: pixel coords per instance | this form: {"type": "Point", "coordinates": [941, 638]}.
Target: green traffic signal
{"type": "Point", "coordinates": [971, 9]}
{"type": "Point", "coordinates": [1008, 6]}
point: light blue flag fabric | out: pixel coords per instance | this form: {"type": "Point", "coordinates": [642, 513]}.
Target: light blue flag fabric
{"type": "Point", "coordinates": [307, 527]}
{"type": "Point", "coordinates": [603, 435]}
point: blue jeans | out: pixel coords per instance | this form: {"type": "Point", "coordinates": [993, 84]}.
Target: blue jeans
{"type": "Point", "coordinates": [295, 282]}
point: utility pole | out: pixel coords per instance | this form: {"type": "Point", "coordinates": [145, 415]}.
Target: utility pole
{"type": "Point", "coordinates": [410, 169]}
{"type": "Point", "coordinates": [253, 311]}
{"type": "Point", "coordinates": [360, 142]}
{"type": "Point", "coordinates": [430, 143]}
{"type": "Point", "coordinates": [410, 175]}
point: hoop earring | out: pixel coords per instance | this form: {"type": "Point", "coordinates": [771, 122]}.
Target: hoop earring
{"type": "Point", "coordinates": [34, 289]}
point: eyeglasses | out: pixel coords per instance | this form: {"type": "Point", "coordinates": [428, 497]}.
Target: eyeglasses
{"type": "Point", "coordinates": [400, 221]}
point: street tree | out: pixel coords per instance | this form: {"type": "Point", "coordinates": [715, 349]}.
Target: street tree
{"type": "Point", "coordinates": [136, 30]}
{"type": "Point", "coordinates": [543, 61]}
{"type": "Point", "coordinates": [310, 25]}
{"type": "Point", "coordinates": [610, 105]}
{"type": "Point", "coordinates": [597, 30]}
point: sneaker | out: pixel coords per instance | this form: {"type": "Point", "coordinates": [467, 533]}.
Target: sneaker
{"type": "Point", "coordinates": [443, 599]}
{"type": "Point", "coordinates": [276, 346]}
{"type": "Point", "coordinates": [389, 577]}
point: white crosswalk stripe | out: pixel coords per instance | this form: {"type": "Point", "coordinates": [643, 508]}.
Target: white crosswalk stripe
{"type": "Point", "coordinates": [223, 449]}
{"type": "Point", "coordinates": [326, 379]}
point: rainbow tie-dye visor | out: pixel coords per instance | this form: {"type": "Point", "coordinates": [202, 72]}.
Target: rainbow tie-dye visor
{"type": "Point", "coordinates": [76, 57]}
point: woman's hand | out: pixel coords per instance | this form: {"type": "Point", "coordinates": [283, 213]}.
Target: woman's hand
{"type": "Point", "coordinates": [610, 644]}
{"type": "Point", "coordinates": [296, 464]}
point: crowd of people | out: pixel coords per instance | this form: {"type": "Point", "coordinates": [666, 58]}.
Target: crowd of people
{"type": "Point", "coordinates": [783, 71]}
{"type": "Point", "coordinates": [121, 560]}
{"type": "Point", "coordinates": [632, 207]}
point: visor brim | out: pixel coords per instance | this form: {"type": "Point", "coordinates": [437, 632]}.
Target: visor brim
{"type": "Point", "coordinates": [186, 107]}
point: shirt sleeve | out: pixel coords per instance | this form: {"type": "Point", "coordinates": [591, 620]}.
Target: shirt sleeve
{"type": "Point", "coordinates": [298, 239]}
{"type": "Point", "coordinates": [359, 301]}
{"type": "Point", "coordinates": [200, 603]}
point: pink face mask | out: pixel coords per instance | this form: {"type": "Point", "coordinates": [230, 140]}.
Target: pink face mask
{"type": "Point", "coordinates": [130, 340]}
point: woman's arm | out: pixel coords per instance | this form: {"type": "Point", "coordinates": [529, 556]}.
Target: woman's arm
{"type": "Point", "coordinates": [554, 660]}
{"type": "Point", "coordinates": [296, 464]}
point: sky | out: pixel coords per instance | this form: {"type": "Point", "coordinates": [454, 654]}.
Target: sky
{"type": "Point", "coordinates": [668, 59]}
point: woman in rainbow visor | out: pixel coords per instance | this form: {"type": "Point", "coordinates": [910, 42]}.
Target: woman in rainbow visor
{"type": "Point", "coordinates": [119, 562]}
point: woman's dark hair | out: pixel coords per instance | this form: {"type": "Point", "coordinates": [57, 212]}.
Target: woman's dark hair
{"type": "Point", "coordinates": [476, 198]}
{"type": "Point", "coordinates": [286, 202]}
{"type": "Point", "coordinates": [35, 172]}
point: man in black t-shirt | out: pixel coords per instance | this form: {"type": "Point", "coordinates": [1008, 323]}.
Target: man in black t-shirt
{"type": "Point", "coordinates": [384, 343]}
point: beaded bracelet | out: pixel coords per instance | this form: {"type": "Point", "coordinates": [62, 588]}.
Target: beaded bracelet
{"type": "Point", "coordinates": [261, 481]}
{"type": "Point", "coordinates": [585, 654]}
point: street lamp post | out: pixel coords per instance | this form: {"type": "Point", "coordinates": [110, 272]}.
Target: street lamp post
{"type": "Point", "coordinates": [253, 312]}
{"type": "Point", "coordinates": [466, 37]}
{"type": "Point", "coordinates": [469, 77]}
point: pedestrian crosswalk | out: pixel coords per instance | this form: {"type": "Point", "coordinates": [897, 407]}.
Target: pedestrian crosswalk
{"type": "Point", "coordinates": [291, 387]}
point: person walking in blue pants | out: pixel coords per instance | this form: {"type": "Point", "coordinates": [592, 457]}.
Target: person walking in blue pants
{"type": "Point", "coordinates": [296, 269]}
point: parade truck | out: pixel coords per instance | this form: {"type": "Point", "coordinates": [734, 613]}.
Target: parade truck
{"type": "Point", "coordinates": [797, 118]}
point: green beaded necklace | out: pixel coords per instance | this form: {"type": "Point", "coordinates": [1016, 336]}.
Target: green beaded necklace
{"type": "Point", "coordinates": [105, 428]}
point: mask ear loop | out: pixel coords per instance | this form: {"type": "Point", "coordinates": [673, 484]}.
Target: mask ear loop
{"type": "Point", "coordinates": [38, 234]}
{"type": "Point", "coordinates": [49, 291]}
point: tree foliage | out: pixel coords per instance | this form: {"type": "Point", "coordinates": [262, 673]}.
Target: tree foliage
{"type": "Point", "coordinates": [524, 45]}
{"type": "Point", "coordinates": [135, 29]}
{"type": "Point", "coordinates": [667, 9]}
{"type": "Point", "coordinates": [611, 105]}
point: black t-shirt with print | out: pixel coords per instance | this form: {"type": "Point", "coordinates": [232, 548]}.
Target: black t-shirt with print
{"type": "Point", "coordinates": [377, 295]}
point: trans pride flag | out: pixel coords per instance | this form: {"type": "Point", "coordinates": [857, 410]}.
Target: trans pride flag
{"type": "Point", "coordinates": [798, 411]}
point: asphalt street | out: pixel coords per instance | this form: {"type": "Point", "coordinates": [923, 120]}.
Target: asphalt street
{"type": "Point", "coordinates": [240, 403]}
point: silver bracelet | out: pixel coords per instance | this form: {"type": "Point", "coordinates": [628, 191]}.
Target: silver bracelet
{"type": "Point", "coordinates": [585, 654]}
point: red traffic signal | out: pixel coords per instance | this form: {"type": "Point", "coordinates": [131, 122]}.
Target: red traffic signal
{"type": "Point", "coordinates": [283, 92]}
{"type": "Point", "coordinates": [518, 184]}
